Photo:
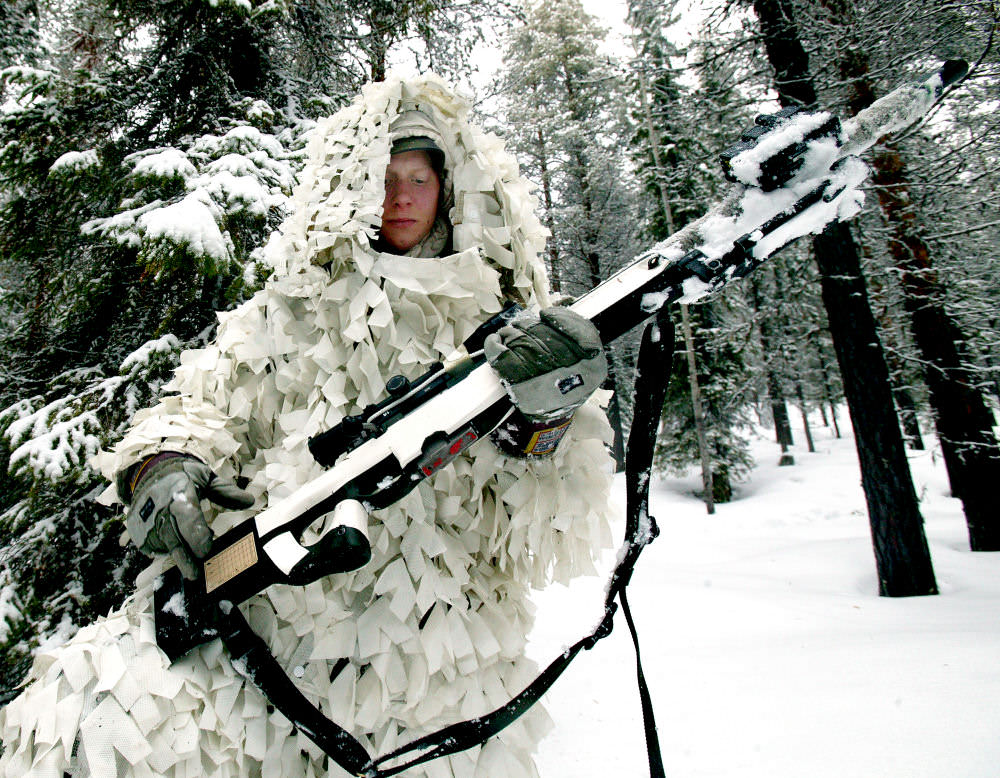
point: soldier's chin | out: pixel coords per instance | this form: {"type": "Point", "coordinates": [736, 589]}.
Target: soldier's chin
{"type": "Point", "coordinates": [402, 240]}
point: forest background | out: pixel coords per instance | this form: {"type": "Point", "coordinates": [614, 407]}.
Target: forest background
{"type": "Point", "coordinates": [148, 148]}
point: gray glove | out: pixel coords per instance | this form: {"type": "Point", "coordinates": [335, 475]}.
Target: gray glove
{"type": "Point", "coordinates": [164, 514]}
{"type": "Point", "coordinates": [551, 362]}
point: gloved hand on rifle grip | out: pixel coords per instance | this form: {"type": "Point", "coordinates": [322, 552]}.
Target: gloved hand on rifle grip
{"type": "Point", "coordinates": [164, 493]}
{"type": "Point", "coordinates": [551, 362]}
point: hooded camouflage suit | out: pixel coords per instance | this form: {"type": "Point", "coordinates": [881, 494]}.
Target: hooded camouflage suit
{"type": "Point", "coordinates": [434, 627]}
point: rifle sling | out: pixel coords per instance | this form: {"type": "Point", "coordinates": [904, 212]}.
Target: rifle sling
{"type": "Point", "coordinates": [262, 668]}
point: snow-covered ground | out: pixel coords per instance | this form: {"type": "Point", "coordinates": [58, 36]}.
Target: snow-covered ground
{"type": "Point", "coordinates": [767, 648]}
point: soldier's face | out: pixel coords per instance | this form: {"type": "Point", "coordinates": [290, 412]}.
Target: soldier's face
{"type": "Point", "coordinates": [411, 199]}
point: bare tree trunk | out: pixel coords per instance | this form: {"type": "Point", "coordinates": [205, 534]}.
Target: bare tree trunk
{"type": "Point", "coordinates": [696, 406]}
{"type": "Point", "coordinates": [833, 416]}
{"type": "Point", "coordinates": [779, 410]}
{"type": "Point", "coordinates": [909, 417]}
{"type": "Point", "coordinates": [779, 414]}
{"type": "Point", "coordinates": [902, 557]}
{"type": "Point", "coordinates": [827, 386]}
{"type": "Point", "coordinates": [800, 393]}
{"type": "Point", "coordinates": [699, 415]}
{"type": "Point", "coordinates": [555, 274]}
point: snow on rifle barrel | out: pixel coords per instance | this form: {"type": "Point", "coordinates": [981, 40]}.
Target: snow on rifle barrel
{"type": "Point", "coordinates": [793, 173]}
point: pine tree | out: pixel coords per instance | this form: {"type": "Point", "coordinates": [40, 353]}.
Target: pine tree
{"type": "Point", "coordinates": [71, 146]}
{"type": "Point", "coordinates": [144, 159]}
{"type": "Point", "coordinates": [93, 264]}
{"type": "Point", "coordinates": [564, 103]}
{"type": "Point", "coordinates": [40, 216]}
{"type": "Point", "coordinates": [18, 32]}
{"type": "Point", "coordinates": [677, 158]}
{"type": "Point", "coordinates": [723, 383]}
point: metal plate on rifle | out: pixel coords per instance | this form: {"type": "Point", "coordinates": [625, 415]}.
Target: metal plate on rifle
{"type": "Point", "coordinates": [230, 562]}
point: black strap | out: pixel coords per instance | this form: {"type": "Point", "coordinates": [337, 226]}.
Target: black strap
{"type": "Point", "coordinates": [652, 376]}
{"type": "Point", "coordinates": [251, 653]}
{"type": "Point", "coordinates": [653, 372]}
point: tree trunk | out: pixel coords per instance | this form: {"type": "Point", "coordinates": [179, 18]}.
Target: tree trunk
{"type": "Point", "coordinates": [827, 387]}
{"type": "Point", "coordinates": [782, 424]}
{"type": "Point", "coordinates": [901, 553]}
{"type": "Point", "coordinates": [654, 147]}
{"type": "Point", "coordinates": [902, 557]}
{"type": "Point", "coordinates": [909, 417]}
{"type": "Point", "coordinates": [781, 343]}
{"type": "Point", "coordinates": [707, 477]}
{"type": "Point", "coordinates": [800, 393]}
{"type": "Point", "coordinates": [964, 422]}
{"type": "Point", "coordinates": [785, 52]}
{"type": "Point", "coordinates": [699, 415]}
{"type": "Point", "coordinates": [779, 410]}
{"type": "Point", "coordinates": [555, 273]}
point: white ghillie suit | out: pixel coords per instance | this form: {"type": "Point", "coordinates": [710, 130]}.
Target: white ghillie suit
{"type": "Point", "coordinates": [433, 628]}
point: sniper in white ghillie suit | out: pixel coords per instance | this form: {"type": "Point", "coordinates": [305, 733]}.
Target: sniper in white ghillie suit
{"type": "Point", "coordinates": [433, 629]}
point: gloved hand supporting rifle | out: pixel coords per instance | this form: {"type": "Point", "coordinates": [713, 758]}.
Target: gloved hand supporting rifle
{"type": "Point", "coordinates": [164, 493]}
{"type": "Point", "coordinates": [550, 364]}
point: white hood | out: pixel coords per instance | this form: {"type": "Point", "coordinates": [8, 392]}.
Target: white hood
{"type": "Point", "coordinates": [338, 205]}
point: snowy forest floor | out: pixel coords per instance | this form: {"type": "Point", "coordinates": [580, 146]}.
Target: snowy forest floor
{"type": "Point", "coordinates": [767, 648]}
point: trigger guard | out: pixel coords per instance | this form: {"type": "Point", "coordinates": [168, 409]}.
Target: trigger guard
{"type": "Point", "coordinates": [342, 548]}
